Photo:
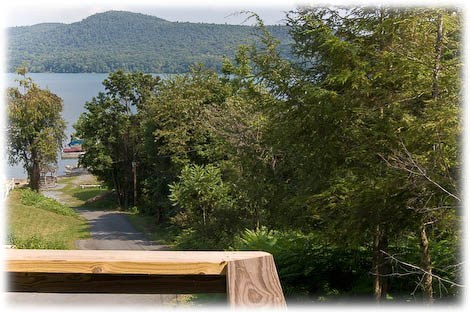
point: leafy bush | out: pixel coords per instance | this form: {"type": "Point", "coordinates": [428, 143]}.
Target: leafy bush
{"type": "Point", "coordinates": [206, 207]}
{"type": "Point", "coordinates": [189, 239]}
{"type": "Point", "coordinates": [32, 198]}
{"type": "Point", "coordinates": [307, 266]}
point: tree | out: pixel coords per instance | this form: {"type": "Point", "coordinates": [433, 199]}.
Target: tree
{"type": "Point", "coordinates": [428, 153]}
{"type": "Point", "coordinates": [206, 205]}
{"type": "Point", "coordinates": [176, 133]}
{"type": "Point", "coordinates": [35, 127]}
{"type": "Point", "coordinates": [365, 81]}
{"type": "Point", "coordinates": [110, 130]}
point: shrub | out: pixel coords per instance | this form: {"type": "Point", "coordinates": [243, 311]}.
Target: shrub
{"type": "Point", "coordinates": [307, 266]}
{"type": "Point", "coordinates": [206, 207]}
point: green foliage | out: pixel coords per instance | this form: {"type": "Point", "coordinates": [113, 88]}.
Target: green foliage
{"type": "Point", "coordinates": [109, 129]}
{"type": "Point", "coordinates": [260, 239]}
{"type": "Point", "coordinates": [308, 268]}
{"type": "Point", "coordinates": [176, 132]}
{"type": "Point", "coordinates": [354, 120]}
{"type": "Point", "coordinates": [35, 128]}
{"type": "Point", "coordinates": [35, 199]}
{"type": "Point", "coordinates": [109, 41]}
{"type": "Point", "coordinates": [336, 158]}
{"type": "Point", "coordinates": [206, 205]}
{"type": "Point", "coordinates": [34, 242]}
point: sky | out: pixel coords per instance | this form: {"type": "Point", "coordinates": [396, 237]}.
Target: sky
{"type": "Point", "coordinates": [23, 13]}
{"type": "Point", "coordinates": [30, 12]}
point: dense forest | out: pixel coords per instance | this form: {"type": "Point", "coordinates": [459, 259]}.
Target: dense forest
{"type": "Point", "coordinates": [115, 40]}
{"type": "Point", "coordinates": [343, 162]}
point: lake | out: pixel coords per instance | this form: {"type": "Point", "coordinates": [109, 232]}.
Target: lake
{"type": "Point", "coordinates": [75, 90]}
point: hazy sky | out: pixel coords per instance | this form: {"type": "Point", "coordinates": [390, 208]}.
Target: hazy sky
{"type": "Point", "coordinates": [30, 12]}
{"type": "Point", "coordinates": [20, 13]}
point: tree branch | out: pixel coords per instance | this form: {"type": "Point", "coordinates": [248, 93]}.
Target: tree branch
{"type": "Point", "coordinates": [411, 166]}
{"type": "Point", "coordinates": [418, 270]}
{"type": "Point", "coordinates": [423, 173]}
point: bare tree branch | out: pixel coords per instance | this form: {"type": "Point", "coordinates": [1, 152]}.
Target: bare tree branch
{"type": "Point", "coordinates": [423, 173]}
{"type": "Point", "coordinates": [411, 166]}
{"type": "Point", "coordinates": [418, 270]}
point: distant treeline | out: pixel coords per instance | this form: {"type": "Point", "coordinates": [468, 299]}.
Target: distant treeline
{"type": "Point", "coordinates": [115, 40]}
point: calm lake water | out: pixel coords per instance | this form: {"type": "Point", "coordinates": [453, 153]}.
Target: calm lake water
{"type": "Point", "coordinates": [75, 90]}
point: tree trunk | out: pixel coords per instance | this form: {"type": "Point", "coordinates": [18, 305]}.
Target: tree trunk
{"type": "Point", "coordinates": [134, 181]}
{"type": "Point", "coordinates": [118, 188]}
{"type": "Point", "coordinates": [424, 243]}
{"type": "Point", "coordinates": [437, 60]}
{"type": "Point", "coordinates": [126, 196]}
{"type": "Point", "coordinates": [379, 264]}
{"type": "Point", "coordinates": [426, 266]}
{"type": "Point", "coordinates": [158, 213]}
{"type": "Point", "coordinates": [35, 172]}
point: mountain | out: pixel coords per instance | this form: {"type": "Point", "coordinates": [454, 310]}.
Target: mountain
{"type": "Point", "coordinates": [114, 40]}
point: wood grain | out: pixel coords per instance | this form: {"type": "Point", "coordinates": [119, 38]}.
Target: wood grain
{"type": "Point", "coordinates": [254, 282]}
{"type": "Point", "coordinates": [115, 283]}
{"type": "Point", "coordinates": [249, 277]}
{"type": "Point", "coordinates": [123, 262]}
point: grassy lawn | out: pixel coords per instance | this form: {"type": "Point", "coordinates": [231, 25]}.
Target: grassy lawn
{"type": "Point", "coordinates": [93, 198]}
{"type": "Point", "coordinates": [40, 223]}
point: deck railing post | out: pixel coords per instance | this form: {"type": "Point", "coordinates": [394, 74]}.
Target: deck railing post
{"type": "Point", "coordinates": [254, 282]}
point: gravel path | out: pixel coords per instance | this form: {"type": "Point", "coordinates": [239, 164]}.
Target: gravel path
{"type": "Point", "coordinates": [108, 229]}
{"type": "Point", "coordinates": [54, 193]}
{"type": "Point", "coordinates": [112, 230]}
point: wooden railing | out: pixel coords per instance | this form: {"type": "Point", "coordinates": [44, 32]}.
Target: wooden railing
{"type": "Point", "coordinates": [7, 186]}
{"type": "Point", "coordinates": [248, 277]}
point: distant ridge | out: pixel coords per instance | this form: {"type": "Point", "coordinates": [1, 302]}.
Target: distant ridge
{"type": "Point", "coordinates": [114, 14]}
{"type": "Point", "coordinates": [113, 40]}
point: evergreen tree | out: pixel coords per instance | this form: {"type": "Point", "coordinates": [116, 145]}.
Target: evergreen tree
{"type": "Point", "coordinates": [365, 81]}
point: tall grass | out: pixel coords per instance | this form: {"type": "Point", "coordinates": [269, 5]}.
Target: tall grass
{"type": "Point", "coordinates": [35, 242]}
{"type": "Point", "coordinates": [31, 198]}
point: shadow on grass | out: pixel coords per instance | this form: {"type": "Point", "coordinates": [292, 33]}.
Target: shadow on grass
{"type": "Point", "coordinates": [97, 199]}
{"type": "Point", "coordinates": [162, 233]}
{"type": "Point", "coordinates": [87, 194]}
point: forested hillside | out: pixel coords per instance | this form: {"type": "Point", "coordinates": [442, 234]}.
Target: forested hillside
{"type": "Point", "coordinates": [115, 40]}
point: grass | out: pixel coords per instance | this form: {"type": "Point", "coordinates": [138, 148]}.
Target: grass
{"type": "Point", "coordinates": [31, 198]}
{"type": "Point", "coordinates": [91, 198]}
{"type": "Point", "coordinates": [218, 301]}
{"type": "Point", "coordinates": [36, 222]}
{"type": "Point", "coordinates": [102, 201]}
{"type": "Point", "coordinates": [162, 234]}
